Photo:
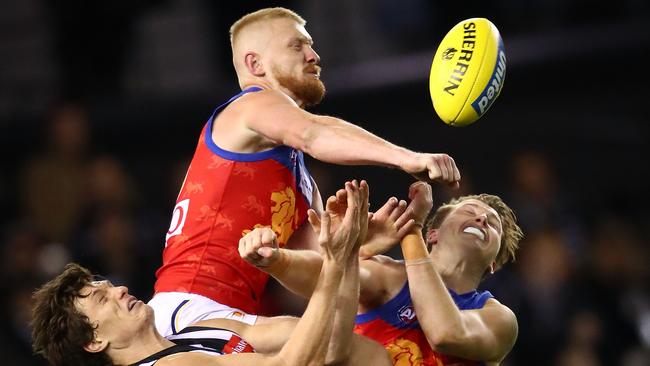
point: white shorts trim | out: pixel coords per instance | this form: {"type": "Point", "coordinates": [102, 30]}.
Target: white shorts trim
{"type": "Point", "coordinates": [176, 310]}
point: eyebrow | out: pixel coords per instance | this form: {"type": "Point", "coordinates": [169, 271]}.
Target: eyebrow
{"type": "Point", "coordinates": [302, 39]}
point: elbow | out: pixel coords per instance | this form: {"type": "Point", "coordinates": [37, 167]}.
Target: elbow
{"type": "Point", "coordinates": [444, 340]}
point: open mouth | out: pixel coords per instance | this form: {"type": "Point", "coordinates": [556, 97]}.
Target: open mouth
{"type": "Point", "coordinates": [475, 231]}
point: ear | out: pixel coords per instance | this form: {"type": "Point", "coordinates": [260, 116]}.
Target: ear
{"type": "Point", "coordinates": [96, 345]}
{"type": "Point", "coordinates": [493, 265]}
{"type": "Point", "coordinates": [254, 64]}
{"type": "Point", "coordinates": [432, 236]}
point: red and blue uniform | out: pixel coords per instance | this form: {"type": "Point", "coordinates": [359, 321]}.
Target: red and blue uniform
{"type": "Point", "coordinates": [395, 325]}
{"type": "Point", "coordinates": [224, 196]}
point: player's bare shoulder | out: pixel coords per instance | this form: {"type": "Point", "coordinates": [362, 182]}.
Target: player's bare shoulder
{"type": "Point", "coordinates": [246, 125]}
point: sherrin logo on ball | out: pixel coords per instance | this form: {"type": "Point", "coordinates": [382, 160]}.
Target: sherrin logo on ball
{"type": "Point", "coordinates": [467, 71]}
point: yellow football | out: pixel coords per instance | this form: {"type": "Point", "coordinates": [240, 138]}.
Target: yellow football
{"type": "Point", "coordinates": [467, 71]}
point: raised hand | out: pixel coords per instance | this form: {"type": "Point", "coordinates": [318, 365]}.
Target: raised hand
{"type": "Point", "coordinates": [338, 243]}
{"type": "Point", "coordinates": [383, 229]}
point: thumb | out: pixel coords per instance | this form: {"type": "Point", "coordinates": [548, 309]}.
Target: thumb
{"type": "Point", "coordinates": [314, 220]}
{"type": "Point", "coordinates": [325, 228]}
{"type": "Point", "coordinates": [266, 252]}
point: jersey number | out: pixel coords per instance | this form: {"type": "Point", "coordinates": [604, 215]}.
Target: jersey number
{"type": "Point", "coordinates": [178, 219]}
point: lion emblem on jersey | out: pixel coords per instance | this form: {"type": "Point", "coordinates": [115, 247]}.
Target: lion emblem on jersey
{"type": "Point", "coordinates": [405, 353]}
{"type": "Point", "coordinates": [283, 213]}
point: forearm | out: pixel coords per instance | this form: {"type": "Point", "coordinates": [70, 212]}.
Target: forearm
{"type": "Point", "coordinates": [335, 141]}
{"type": "Point", "coordinates": [306, 346]}
{"type": "Point", "coordinates": [346, 309]}
{"type": "Point", "coordinates": [297, 270]}
{"type": "Point", "coordinates": [438, 316]}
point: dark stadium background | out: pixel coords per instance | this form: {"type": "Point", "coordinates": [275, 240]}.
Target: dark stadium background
{"type": "Point", "coordinates": [566, 144]}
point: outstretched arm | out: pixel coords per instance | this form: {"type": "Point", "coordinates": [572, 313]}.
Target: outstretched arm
{"type": "Point", "coordinates": [485, 334]}
{"type": "Point", "coordinates": [333, 140]}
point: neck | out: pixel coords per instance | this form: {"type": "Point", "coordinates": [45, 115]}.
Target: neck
{"type": "Point", "coordinates": [265, 84]}
{"type": "Point", "coordinates": [139, 347]}
{"type": "Point", "coordinates": [457, 273]}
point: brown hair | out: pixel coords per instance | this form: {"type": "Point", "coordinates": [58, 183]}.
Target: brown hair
{"type": "Point", "coordinates": [263, 14]}
{"type": "Point", "coordinates": [512, 233]}
{"type": "Point", "coordinates": [59, 330]}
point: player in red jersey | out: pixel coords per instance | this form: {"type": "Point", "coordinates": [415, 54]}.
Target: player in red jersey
{"type": "Point", "coordinates": [248, 172]}
{"type": "Point", "coordinates": [425, 310]}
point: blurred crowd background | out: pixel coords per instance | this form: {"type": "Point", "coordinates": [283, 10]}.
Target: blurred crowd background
{"type": "Point", "coordinates": [101, 105]}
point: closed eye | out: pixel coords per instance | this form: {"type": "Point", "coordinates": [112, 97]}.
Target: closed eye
{"type": "Point", "coordinates": [496, 225]}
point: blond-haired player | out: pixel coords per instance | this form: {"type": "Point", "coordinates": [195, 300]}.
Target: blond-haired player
{"type": "Point", "coordinates": [248, 172]}
{"type": "Point", "coordinates": [425, 309]}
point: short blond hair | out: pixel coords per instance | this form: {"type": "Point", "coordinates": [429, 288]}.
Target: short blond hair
{"type": "Point", "coordinates": [512, 233]}
{"type": "Point", "coordinates": [262, 15]}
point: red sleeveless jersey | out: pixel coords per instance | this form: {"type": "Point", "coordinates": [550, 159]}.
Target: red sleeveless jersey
{"type": "Point", "coordinates": [224, 196]}
{"type": "Point", "coordinates": [395, 325]}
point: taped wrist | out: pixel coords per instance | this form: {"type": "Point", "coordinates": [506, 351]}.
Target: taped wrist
{"type": "Point", "coordinates": [413, 247]}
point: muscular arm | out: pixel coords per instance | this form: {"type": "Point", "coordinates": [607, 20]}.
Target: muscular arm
{"type": "Point", "coordinates": [485, 334]}
{"type": "Point", "coordinates": [275, 116]}
{"type": "Point", "coordinates": [328, 139]}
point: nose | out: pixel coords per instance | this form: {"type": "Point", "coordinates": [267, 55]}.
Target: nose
{"type": "Point", "coordinates": [481, 219]}
{"type": "Point", "coordinates": [311, 56]}
{"type": "Point", "coordinates": [121, 291]}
